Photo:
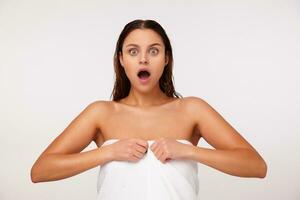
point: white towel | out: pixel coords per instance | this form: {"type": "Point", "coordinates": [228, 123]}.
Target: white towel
{"type": "Point", "coordinates": [148, 178]}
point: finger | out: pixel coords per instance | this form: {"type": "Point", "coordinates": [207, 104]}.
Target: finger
{"type": "Point", "coordinates": [138, 155]}
{"type": "Point", "coordinates": [166, 157]}
{"type": "Point", "coordinates": [142, 143]}
{"type": "Point", "coordinates": [159, 153]}
{"type": "Point", "coordinates": [141, 149]}
{"type": "Point", "coordinates": [134, 158]}
{"type": "Point", "coordinates": [155, 150]}
{"type": "Point", "coordinates": [134, 155]}
{"type": "Point", "coordinates": [154, 146]}
{"type": "Point", "coordinates": [162, 157]}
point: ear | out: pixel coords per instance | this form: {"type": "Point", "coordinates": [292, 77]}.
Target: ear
{"type": "Point", "coordinates": [166, 58]}
{"type": "Point", "coordinates": [121, 58]}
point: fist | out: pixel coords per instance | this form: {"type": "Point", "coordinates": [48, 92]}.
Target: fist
{"type": "Point", "coordinates": [131, 150]}
{"type": "Point", "coordinates": [167, 149]}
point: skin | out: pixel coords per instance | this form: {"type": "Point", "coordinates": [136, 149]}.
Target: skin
{"type": "Point", "coordinates": [147, 114]}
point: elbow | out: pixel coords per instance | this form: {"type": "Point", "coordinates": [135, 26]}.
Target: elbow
{"type": "Point", "coordinates": [37, 172]}
{"type": "Point", "coordinates": [34, 175]}
{"type": "Point", "coordinates": [258, 167]}
{"type": "Point", "coordinates": [263, 169]}
{"type": "Point", "coordinates": [34, 180]}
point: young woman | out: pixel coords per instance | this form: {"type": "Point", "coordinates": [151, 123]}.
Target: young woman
{"type": "Point", "coordinates": [147, 135]}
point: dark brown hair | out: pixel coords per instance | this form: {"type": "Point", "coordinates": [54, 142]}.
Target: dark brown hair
{"type": "Point", "coordinates": [122, 84]}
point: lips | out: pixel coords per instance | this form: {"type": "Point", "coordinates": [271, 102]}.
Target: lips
{"type": "Point", "coordinates": [143, 73]}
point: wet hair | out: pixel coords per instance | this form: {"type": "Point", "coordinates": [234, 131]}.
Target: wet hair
{"type": "Point", "coordinates": [122, 84]}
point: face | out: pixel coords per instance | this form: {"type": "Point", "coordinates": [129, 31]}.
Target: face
{"type": "Point", "coordinates": [143, 49]}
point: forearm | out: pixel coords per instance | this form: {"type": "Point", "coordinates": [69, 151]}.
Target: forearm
{"type": "Point", "coordinates": [238, 162]}
{"type": "Point", "coordinates": [53, 167]}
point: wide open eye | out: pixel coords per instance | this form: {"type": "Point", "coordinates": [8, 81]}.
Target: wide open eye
{"type": "Point", "coordinates": [133, 51]}
{"type": "Point", "coordinates": [153, 51]}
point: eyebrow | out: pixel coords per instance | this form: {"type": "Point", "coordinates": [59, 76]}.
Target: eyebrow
{"type": "Point", "coordinates": [149, 45]}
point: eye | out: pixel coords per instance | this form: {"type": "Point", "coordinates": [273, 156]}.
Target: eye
{"type": "Point", "coordinates": [132, 51]}
{"type": "Point", "coordinates": [153, 51]}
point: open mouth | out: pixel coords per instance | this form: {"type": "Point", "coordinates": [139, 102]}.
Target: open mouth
{"type": "Point", "coordinates": [143, 74]}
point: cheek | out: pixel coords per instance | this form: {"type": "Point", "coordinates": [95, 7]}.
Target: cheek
{"type": "Point", "coordinates": [129, 61]}
{"type": "Point", "coordinates": [159, 59]}
{"type": "Point", "coordinates": [129, 65]}
{"type": "Point", "coordinates": [158, 69]}
{"type": "Point", "coordinates": [159, 63]}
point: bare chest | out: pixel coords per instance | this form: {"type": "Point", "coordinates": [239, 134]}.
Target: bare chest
{"type": "Point", "coordinates": [149, 124]}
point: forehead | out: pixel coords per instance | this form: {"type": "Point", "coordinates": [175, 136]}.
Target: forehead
{"type": "Point", "coordinates": [143, 37]}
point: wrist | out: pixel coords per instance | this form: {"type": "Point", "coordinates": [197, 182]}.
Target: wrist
{"type": "Point", "coordinates": [190, 152]}
{"type": "Point", "coordinates": [106, 154]}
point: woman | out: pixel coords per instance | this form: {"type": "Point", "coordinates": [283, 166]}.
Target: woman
{"type": "Point", "coordinates": [147, 136]}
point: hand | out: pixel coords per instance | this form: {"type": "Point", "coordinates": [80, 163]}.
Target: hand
{"type": "Point", "coordinates": [167, 149]}
{"type": "Point", "coordinates": [129, 149]}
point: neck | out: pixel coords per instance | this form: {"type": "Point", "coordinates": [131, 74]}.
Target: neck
{"type": "Point", "coordinates": [145, 99]}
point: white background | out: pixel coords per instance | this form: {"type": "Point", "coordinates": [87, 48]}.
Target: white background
{"type": "Point", "coordinates": [242, 57]}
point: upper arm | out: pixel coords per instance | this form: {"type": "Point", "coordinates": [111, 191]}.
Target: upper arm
{"type": "Point", "coordinates": [80, 132]}
{"type": "Point", "coordinates": [213, 127]}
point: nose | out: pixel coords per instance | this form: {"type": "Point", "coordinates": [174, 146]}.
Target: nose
{"type": "Point", "coordinates": [143, 59]}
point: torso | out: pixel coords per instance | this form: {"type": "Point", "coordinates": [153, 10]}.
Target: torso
{"type": "Point", "coordinates": [169, 120]}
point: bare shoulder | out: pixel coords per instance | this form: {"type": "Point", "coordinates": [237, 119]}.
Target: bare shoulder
{"type": "Point", "coordinates": [81, 130]}
{"type": "Point", "coordinates": [95, 111]}
{"type": "Point", "coordinates": [100, 107]}
{"type": "Point", "coordinates": [197, 109]}
{"type": "Point", "coordinates": [194, 104]}
{"type": "Point", "coordinates": [214, 128]}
